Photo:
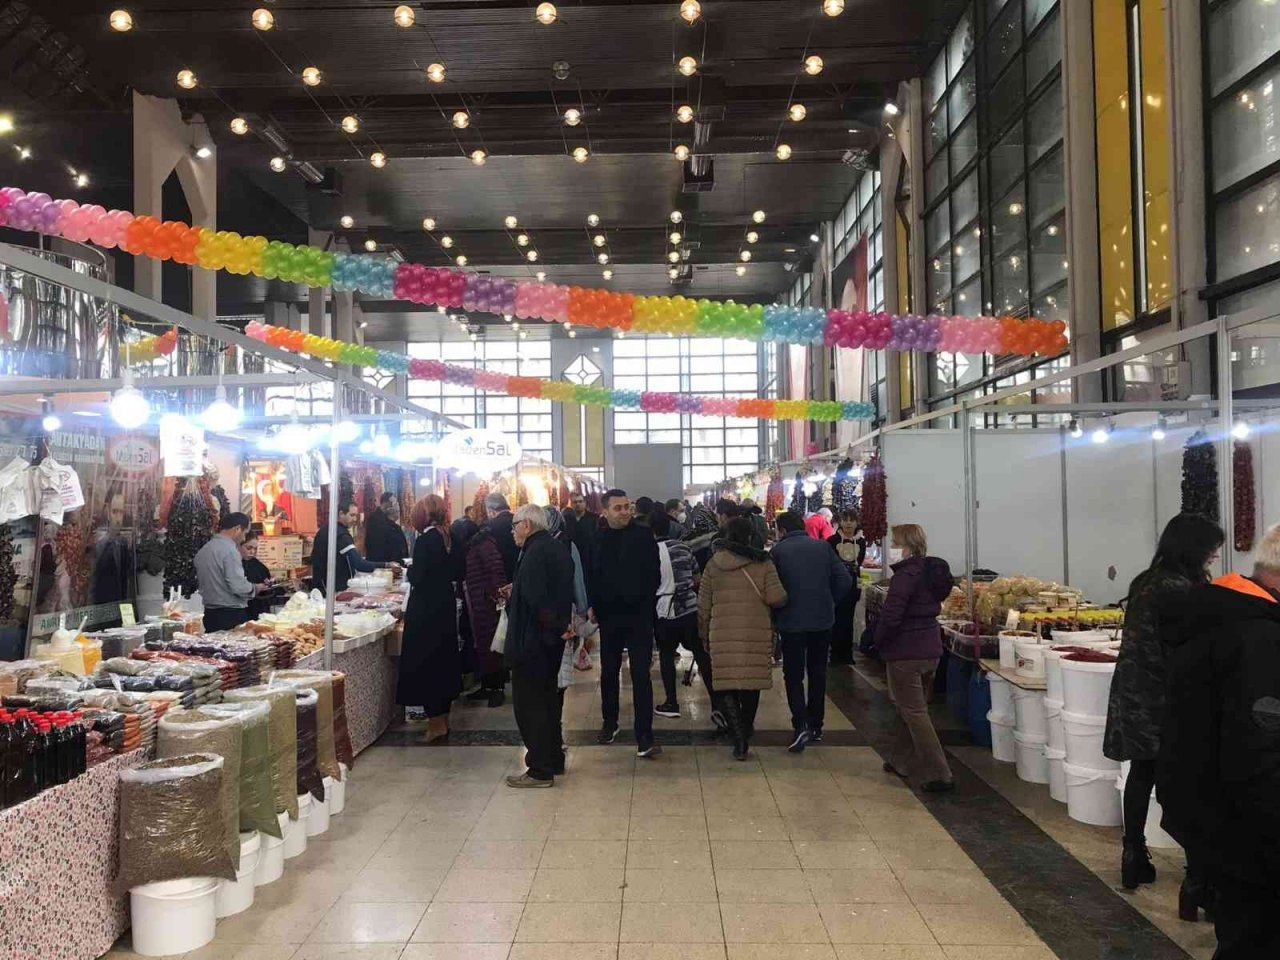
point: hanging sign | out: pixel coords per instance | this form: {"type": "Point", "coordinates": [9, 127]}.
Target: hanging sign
{"type": "Point", "coordinates": [181, 448]}
{"type": "Point", "coordinates": [132, 453]}
{"type": "Point", "coordinates": [478, 451]}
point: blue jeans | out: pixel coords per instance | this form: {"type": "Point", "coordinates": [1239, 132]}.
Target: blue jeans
{"type": "Point", "coordinates": [805, 655]}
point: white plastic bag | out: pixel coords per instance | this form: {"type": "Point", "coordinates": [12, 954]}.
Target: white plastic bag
{"type": "Point", "coordinates": [499, 643]}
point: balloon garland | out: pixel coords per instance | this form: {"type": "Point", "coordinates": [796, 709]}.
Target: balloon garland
{"type": "Point", "coordinates": [149, 348]}
{"type": "Point", "coordinates": [560, 391]}
{"type": "Point", "coordinates": [443, 286]}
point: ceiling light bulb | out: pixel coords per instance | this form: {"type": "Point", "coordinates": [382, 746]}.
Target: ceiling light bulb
{"type": "Point", "coordinates": [833, 8]}
{"type": "Point", "coordinates": [350, 124]}
{"type": "Point", "coordinates": [593, 220]}
{"type": "Point", "coordinates": [221, 415]}
{"type": "Point", "coordinates": [346, 431]}
{"type": "Point", "coordinates": [347, 221]}
{"type": "Point", "coordinates": [607, 274]}
{"type": "Point", "coordinates": [522, 239]}
{"type": "Point", "coordinates": [478, 157]}
{"type": "Point", "coordinates": [378, 159]}
{"type": "Point", "coordinates": [676, 216]}
{"type": "Point", "coordinates": [511, 223]}
{"type": "Point", "coordinates": [541, 275]}
{"type": "Point", "coordinates": [674, 256]}
{"type": "Point", "coordinates": [891, 109]}
{"type": "Point", "coordinates": [1015, 209]}
{"type": "Point", "coordinates": [752, 236]}
{"type": "Point", "coordinates": [404, 15]}
{"type": "Point", "coordinates": [740, 270]}
{"type": "Point", "coordinates": [462, 119]}
{"type": "Point", "coordinates": [187, 79]}
{"type": "Point", "coordinates": [311, 76]}
{"type": "Point", "coordinates": [278, 164]}
{"type": "Point", "coordinates": [435, 72]}
{"type": "Point", "coordinates": [129, 408]}
{"type": "Point", "coordinates": [532, 256]}
{"type": "Point", "coordinates": [204, 151]}
{"type": "Point", "coordinates": [796, 112]}
{"type": "Point", "coordinates": [1075, 429]}
{"type": "Point", "coordinates": [239, 126]}
{"type": "Point", "coordinates": [673, 273]}
{"type": "Point", "coordinates": [573, 116]}
{"type": "Point", "coordinates": [813, 65]}
{"type": "Point", "coordinates": [446, 241]}
{"type": "Point", "coordinates": [598, 240]}
{"type": "Point", "coordinates": [580, 154]}
{"type": "Point", "coordinates": [814, 238]}
{"type": "Point", "coordinates": [1241, 430]}
{"type": "Point", "coordinates": [51, 423]}
{"type": "Point", "coordinates": [684, 113]}
{"type": "Point", "coordinates": [263, 19]}
{"type": "Point", "coordinates": [758, 216]}
{"type": "Point", "coordinates": [546, 13]}
{"type": "Point", "coordinates": [602, 258]}
{"type": "Point", "coordinates": [121, 21]}
{"type": "Point", "coordinates": [1158, 432]}
{"type": "Point", "coordinates": [675, 236]}
{"type": "Point", "coordinates": [687, 66]}
{"type": "Point", "coordinates": [690, 11]}
{"type": "Point", "coordinates": [371, 245]}
{"type": "Point", "coordinates": [681, 152]}
{"type": "Point", "coordinates": [1100, 435]}
{"type": "Point", "coordinates": [744, 256]}
{"type": "Point", "coordinates": [460, 259]}
{"type": "Point", "coordinates": [428, 223]}
{"type": "Point", "coordinates": [81, 180]}
{"type": "Point", "coordinates": [783, 152]}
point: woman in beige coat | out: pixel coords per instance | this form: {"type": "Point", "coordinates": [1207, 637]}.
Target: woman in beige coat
{"type": "Point", "coordinates": [739, 586]}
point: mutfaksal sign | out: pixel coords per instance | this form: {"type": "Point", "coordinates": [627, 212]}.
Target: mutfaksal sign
{"type": "Point", "coordinates": [478, 451]}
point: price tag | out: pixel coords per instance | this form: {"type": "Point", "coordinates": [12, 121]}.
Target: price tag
{"type": "Point", "coordinates": [1011, 621]}
{"type": "Point", "coordinates": [126, 614]}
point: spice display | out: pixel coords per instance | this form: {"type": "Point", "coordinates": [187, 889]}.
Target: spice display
{"type": "Point", "coordinates": [195, 731]}
{"type": "Point", "coordinates": [282, 736]}
{"type": "Point", "coordinates": [875, 502]}
{"type": "Point", "coordinates": [308, 771]}
{"type": "Point", "coordinates": [257, 803]}
{"type": "Point", "coordinates": [1200, 476]}
{"type": "Point", "coordinates": [322, 683]}
{"type": "Point", "coordinates": [1245, 522]}
{"type": "Point", "coordinates": [171, 822]}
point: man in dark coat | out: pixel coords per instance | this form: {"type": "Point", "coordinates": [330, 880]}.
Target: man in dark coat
{"type": "Point", "coordinates": [1218, 779]}
{"type": "Point", "coordinates": [538, 611]}
{"type": "Point", "coordinates": [464, 528]}
{"type": "Point", "coordinates": [349, 561]}
{"type": "Point", "coordinates": [383, 539]}
{"type": "Point", "coordinates": [499, 522]}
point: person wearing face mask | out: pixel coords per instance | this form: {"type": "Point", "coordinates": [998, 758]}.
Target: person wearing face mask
{"type": "Point", "coordinates": [1136, 708]}
{"type": "Point", "coordinates": [910, 643]}
{"type": "Point", "coordinates": [675, 510]}
{"type": "Point", "coordinates": [851, 547]}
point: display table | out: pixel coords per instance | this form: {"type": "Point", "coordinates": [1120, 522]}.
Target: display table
{"type": "Point", "coordinates": [370, 688]}
{"type": "Point", "coordinates": [57, 860]}
{"type": "Point", "coordinates": [1012, 676]}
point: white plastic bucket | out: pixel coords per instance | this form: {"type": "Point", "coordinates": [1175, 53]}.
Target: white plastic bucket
{"type": "Point", "coordinates": [1032, 765]}
{"type": "Point", "coordinates": [233, 896]}
{"type": "Point", "coordinates": [1002, 747]}
{"type": "Point", "coordinates": [271, 856]}
{"type": "Point", "coordinates": [1030, 653]}
{"type": "Point", "coordinates": [1156, 837]}
{"type": "Point", "coordinates": [318, 820]}
{"type": "Point", "coordinates": [1092, 796]}
{"type": "Point", "coordinates": [1001, 695]}
{"type": "Point", "coordinates": [337, 793]}
{"type": "Point", "coordinates": [295, 831]}
{"type": "Point", "coordinates": [173, 916]}
{"type": "Point", "coordinates": [1057, 776]}
{"type": "Point", "coordinates": [1008, 653]}
{"type": "Point", "coordinates": [1086, 686]}
{"type": "Point", "coordinates": [1029, 713]}
{"type": "Point", "coordinates": [1057, 739]}
{"type": "Point", "coordinates": [1084, 741]}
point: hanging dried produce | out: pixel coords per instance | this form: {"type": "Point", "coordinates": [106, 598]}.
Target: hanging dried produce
{"type": "Point", "coordinates": [224, 505]}
{"type": "Point", "coordinates": [70, 547]}
{"type": "Point", "coordinates": [844, 487]}
{"type": "Point", "coordinates": [1242, 458]}
{"type": "Point", "coordinates": [150, 552]}
{"type": "Point", "coordinates": [190, 524]}
{"type": "Point", "coordinates": [1200, 477]}
{"type": "Point", "coordinates": [774, 497]}
{"type": "Point", "coordinates": [815, 498]}
{"type": "Point", "coordinates": [797, 494]}
{"type": "Point", "coordinates": [875, 502]}
{"type": "Point", "coordinates": [482, 491]}
{"type": "Point", "coordinates": [8, 575]}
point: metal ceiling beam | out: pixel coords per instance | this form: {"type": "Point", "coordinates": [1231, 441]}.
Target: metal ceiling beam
{"type": "Point", "coordinates": [32, 386]}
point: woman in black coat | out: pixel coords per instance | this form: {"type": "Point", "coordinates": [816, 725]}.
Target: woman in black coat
{"type": "Point", "coordinates": [430, 667]}
{"type": "Point", "coordinates": [1188, 545]}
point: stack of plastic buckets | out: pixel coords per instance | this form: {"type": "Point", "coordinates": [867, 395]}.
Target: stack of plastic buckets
{"type": "Point", "coordinates": [1090, 775]}
{"type": "Point", "coordinates": [1030, 731]}
{"type": "Point", "coordinates": [1001, 717]}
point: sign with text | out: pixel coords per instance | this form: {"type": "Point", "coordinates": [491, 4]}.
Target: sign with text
{"type": "Point", "coordinates": [181, 448]}
{"type": "Point", "coordinates": [478, 451]}
{"type": "Point", "coordinates": [132, 453]}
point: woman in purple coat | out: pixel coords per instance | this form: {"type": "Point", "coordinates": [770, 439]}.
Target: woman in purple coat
{"type": "Point", "coordinates": [910, 643]}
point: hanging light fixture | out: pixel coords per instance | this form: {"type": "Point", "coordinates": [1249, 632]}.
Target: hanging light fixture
{"type": "Point", "coordinates": [428, 223]}
{"type": "Point", "coordinates": [690, 11]}
{"type": "Point", "coordinates": [532, 256]}
{"type": "Point", "coordinates": [350, 123]}
{"type": "Point", "coordinates": [1158, 431]}
{"type": "Point", "coordinates": [833, 8]}
{"type": "Point", "coordinates": [580, 154]}
{"type": "Point", "coordinates": [129, 408]}
{"type": "Point", "coordinates": [541, 275]}
{"type": "Point", "coordinates": [744, 256]}
{"type": "Point", "coordinates": [346, 431]}
{"type": "Point", "coordinates": [572, 117]}
{"type": "Point", "coordinates": [435, 72]}
{"type": "Point", "coordinates": [187, 79]}
{"type": "Point", "coordinates": [688, 66]}
{"type": "Point", "coordinates": [676, 216]}
{"type": "Point", "coordinates": [220, 416]}
{"type": "Point", "coordinates": [684, 113]}
{"type": "Point", "coordinates": [522, 239]}
{"type": "Point", "coordinates": [546, 13]}
{"type": "Point", "coordinates": [121, 21]}
{"type": "Point", "coordinates": [796, 112]}
{"type": "Point", "coordinates": [673, 272]}
{"type": "Point", "coordinates": [460, 259]}
{"type": "Point", "coordinates": [371, 245]}
{"type": "Point", "coordinates": [599, 240]}
{"type": "Point", "coordinates": [311, 76]}
{"type": "Point", "coordinates": [602, 258]}
{"type": "Point", "coordinates": [378, 159]}
{"type": "Point", "coordinates": [478, 157]}
{"type": "Point", "coordinates": [593, 220]}
{"type": "Point", "coordinates": [752, 236]}
{"type": "Point", "coordinates": [511, 222]}
{"type": "Point", "coordinates": [239, 126]}
{"type": "Point", "coordinates": [404, 15]}
{"type": "Point", "coordinates": [783, 152]}
{"type": "Point", "coordinates": [462, 119]}
{"type": "Point", "coordinates": [675, 236]}
{"type": "Point", "coordinates": [446, 241]}
{"type": "Point", "coordinates": [740, 269]}
{"type": "Point", "coordinates": [50, 422]}
{"type": "Point", "coordinates": [681, 152]}
{"type": "Point", "coordinates": [758, 216]}
{"type": "Point", "coordinates": [673, 256]}
{"type": "Point", "coordinates": [263, 19]}
{"type": "Point", "coordinates": [607, 274]}
{"type": "Point", "coordinates": [347, 221]}
{"type": "Point", "coordinates": [813, 65]}
{"type": "Point", "coordinates": [277, 164]}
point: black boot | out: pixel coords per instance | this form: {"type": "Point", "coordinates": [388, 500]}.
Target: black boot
{"type": "Point", "coordinates": [737, 728]}
{"type": "Point", "coordinates": [1135, 864]}
{"type": "Point", "coordinates": [1195, 894]}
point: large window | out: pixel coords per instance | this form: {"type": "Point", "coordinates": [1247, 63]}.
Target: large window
{"type": "Point", "coordinates": [527, 419]}
{"type": "Point", "coordinates": [714, 447]}
{"type": "Point", "coordinates": [860, 219]}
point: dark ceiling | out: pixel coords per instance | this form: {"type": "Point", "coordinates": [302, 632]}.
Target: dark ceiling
{"type": "Point", "coordinates": [67, 78]}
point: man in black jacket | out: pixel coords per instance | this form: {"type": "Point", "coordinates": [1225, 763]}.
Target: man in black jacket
{"type": "Point", "coordinates": [623, 581]}
{"type": "Point", "coordinates": [349, 560]}
{"type": "Point", "coordinates": [1218, 779]}
{"type": "Point", "coordinates": [500, 522]}
{"type": "Point", "coordinates": [537, 617]}
{"type": "Point", "coordinates": [384, 541]}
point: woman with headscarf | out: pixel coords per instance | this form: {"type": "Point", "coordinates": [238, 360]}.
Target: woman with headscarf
{"type": "Point", "coordinates": [430, 669]}
{"type": "Point", "coordinates": [701, 531]}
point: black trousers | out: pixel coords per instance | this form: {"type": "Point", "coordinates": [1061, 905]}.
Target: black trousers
{"type": "Point", "coordinates": [536, 703]}
{"type": "Point", "coordinates": [1137, 798]}
{"type": "Point", "coordinates": [1245, 919]}
{"type": "Point", "coordinates": [805, 655]}
{"type": "Point", "coordinates": [842, 632]}
{"type": "Point", "coordinates": [681, 632]}
{"type": "Point", "coordinates": [633, 633]}
{"type": "Point", "coordinates": [224, 618]}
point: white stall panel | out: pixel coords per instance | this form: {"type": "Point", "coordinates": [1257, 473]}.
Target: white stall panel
{"type": "Point", "coordinates": [924, 476]}
{"type": "Point", "coordinates": [1019, 491]}
{"type": "Point", "coordinates": [1111, 513]}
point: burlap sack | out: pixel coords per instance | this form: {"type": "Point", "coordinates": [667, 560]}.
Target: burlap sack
{"type": "Point", "coordinates": [282, 734]}
{"type": "Point", "coordinates": [257, 800]}
{"type": "Point", "coordinates": [185, 732]}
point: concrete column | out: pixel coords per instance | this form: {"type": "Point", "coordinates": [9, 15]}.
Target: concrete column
{"type": "Point", "coordinates": [910, 135]}
{"type": "Point", "coordinates": [163, 143]}
{"type": "Point", "coordinates": [1081, 161]}
{"type": "Point", "coordinates": [1187, 172]}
